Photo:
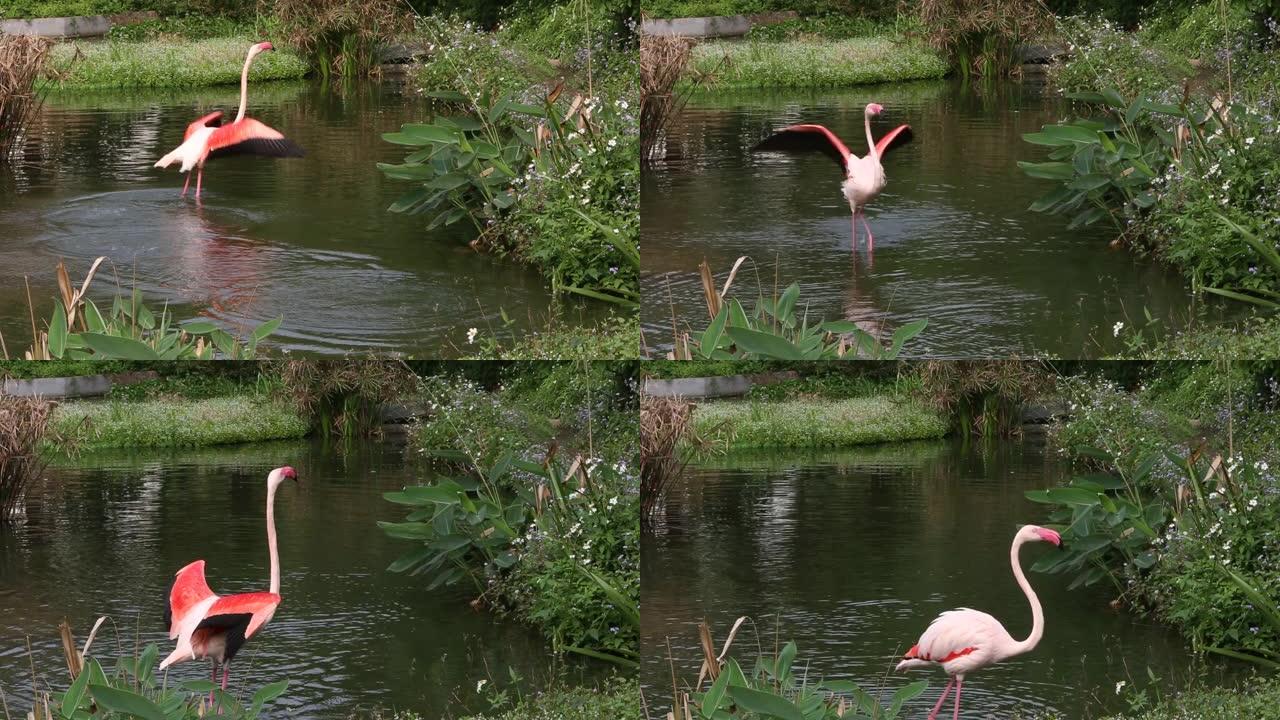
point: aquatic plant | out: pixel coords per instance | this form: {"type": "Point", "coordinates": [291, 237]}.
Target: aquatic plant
{"type": "Point", "coordinates": [78, 330]}
{"type": "Point", "coordinates": [340, 37]}
{"type": "Point", "coordinates": [24, 423]}
{"type": "Point", "coordinates": [22, 59]}
{"type": "Point", "coordinates": [664, 424]}
{"type": "Point", "coordinates": [774, 690]}
{"type": "Point", "coordinates": [980, 37]}
{"type": "Point", "coordinates": [776, 329]}
{"type": "Point", "coordinates": [132, 690]}
{"type": "Point", "coordinates": [343, 398]}
{"type": "Point", "coordinates": [982, 397]}
{"type": "Point", "coordinates": [662, 63]}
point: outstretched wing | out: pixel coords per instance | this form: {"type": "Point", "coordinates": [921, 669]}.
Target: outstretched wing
{"type": "Point", "coordinates": [896, 138]}
{"type": "Point", "coordinates": [259, 607]}
{"type": "Point", "coordinates": [248, 136]}
{"type": "Point", "coordinates": [213, 119]}
{"type": "Point", "coordinates": [808, 138]}
{"type": "Point", "coordinates": [189, 599]}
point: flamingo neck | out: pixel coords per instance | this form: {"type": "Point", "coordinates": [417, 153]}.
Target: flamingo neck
{"type": "Point", "coordinates": [244, 86]}
{"type": "Point", "coordinates": [271, 539]}
{"type": "Point", "coordinates": [1037, 614]}
{"type": "Point", "coordinates": [871, 144]}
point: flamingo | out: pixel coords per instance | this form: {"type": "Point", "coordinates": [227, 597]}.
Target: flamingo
{"type": "Point", "coordinates": [209, 626]}
{"type": "Point", "coordinates": [863, 176]}
{"type": "Point", "coordinates": [208, 139]}
{"type": "Point", "coordinates": [962, 641]}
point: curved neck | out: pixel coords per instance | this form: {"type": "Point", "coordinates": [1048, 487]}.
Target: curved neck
{"type": "Point", "coordinates": [271, 540]}
{"type": "Point", "coordinates": [1037, 614]}
{"type": "Point", "coordinates": [871, 144]}
{"type": "Point", "coordinates": [244, 86]}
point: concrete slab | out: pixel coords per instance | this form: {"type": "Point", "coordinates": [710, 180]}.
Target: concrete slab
{"type": "Point", "coordinates": [717, 26]}
{"type": "Point", "coordinates": [82, 26]}
{"type": "Point", "coordinates": [708, 387]}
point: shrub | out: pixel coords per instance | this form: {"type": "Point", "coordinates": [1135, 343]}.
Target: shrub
{"type": "Point", "coordinates": [340, 37]}
{"type": "Point", "coordinates": [343, 397]}
{"type": "Point", "coordinates": [981, 37]}
{"type": "Point", "coordinates": [466, 420]}
{"type": "Point", "coordinates": [616, 698]}
{"type": "Point", "coordinates": [1107, 56]}
{"type": "Point", "coordinates": [1259, 699]}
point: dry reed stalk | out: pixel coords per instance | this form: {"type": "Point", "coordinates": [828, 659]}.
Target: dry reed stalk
{"type": "Point", "coordinates": [72, 302]}
{"type": "Point", "coordinates": [22, 58]}
{"type": "Point", "coordinates": [23, 425]}
{"type": "Point", "coordinates": [664, 423]}
{"type": "Point", "coordinates": [662, 61]}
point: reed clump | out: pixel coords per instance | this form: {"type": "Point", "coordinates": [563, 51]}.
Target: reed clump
{"type": "Point", "coordinates": [24, 423]}
{"type": "Point", "coordinates": [980, 36]}
{"type": "Point", "coordinates": [664, 423]}
{"type": "Point", "coordinates": [662, 62]}
{"type": "Point", "coordinates": [22, 58]}
{"type": "Point", "coordinates": [344, 398]}
{"type": "Point", "coordinates": [341, 37]}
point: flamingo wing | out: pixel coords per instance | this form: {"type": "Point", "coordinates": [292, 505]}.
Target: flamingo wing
{"type": "Point", "coordinates": [953, 635]}
{"type": "Point", "coordinates": [808, 138]}
{"type": "Point", "coordinates": [250, 137]}
{"type": "Point", "coordinates": [895, 138]}
{"type": "Point", "coordinates": [189, 599]}
{"type": "Point", "coordinates": [213, 119]}
{"type": "Point", "coordinates": [258, 607]}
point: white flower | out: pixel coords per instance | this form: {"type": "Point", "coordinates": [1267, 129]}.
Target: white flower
{"type": "Point", "coordinates": [1115, 330]}
{"type": "Point", "coordinates": [1120, 686]}
{"type": "Point", "coordinates": [480, 684]}
{"type": "Point", "coordinates": [1248, 141]}
{"type": "Point", "coordinates": [471, 338]}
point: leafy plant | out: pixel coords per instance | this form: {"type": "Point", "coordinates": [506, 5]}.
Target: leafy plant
{"type": "Point", "coordinates": [982, 397]}
{"type": "Point", "coordinates": [981, 37]}
{"type": "Point", "coordinates": [339, 36]}
{"type": "Point", "coordinates": [1265, 297]}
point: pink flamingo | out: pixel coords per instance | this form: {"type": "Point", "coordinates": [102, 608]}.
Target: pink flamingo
{"type": "Point", "coordinates": [863, 176]}
{"type": "Point", "coordinates": [208, 626]}
{"type": "Point", "coordinates": [208, 139]}
{"type": "Point", "coordinates": [962, 641]}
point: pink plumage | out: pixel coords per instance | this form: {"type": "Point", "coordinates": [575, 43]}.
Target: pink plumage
{"type": "Point", "coordinates": [962, 641]}
{"type": "Point", "coordinates": [206, 625]}
{"type": "Point", "coordinates": [863, 176]}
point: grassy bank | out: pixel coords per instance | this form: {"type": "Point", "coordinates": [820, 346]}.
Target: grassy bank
{"type": "Point", "coordinates": [162, 62]}
{"type": "Point", "coordinates": [162, 422]}
{"type": "Point", "coordinates": [619, 698]}
{"type": "Point", "coordinates": [820, 63]}
{"type": "Point", "coordinates": [817, 423]}
{"type": "Point", "coordinates": [1258, 700]}
{"type": "Point", "coordinates": [617, 338]}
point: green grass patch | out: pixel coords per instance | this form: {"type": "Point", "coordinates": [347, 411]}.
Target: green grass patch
{"type": "Point", "coordinates": [822, 63]}
{"type": "Point", "coordinates": [817, 423]}
{"type": "Point", "coordinates": [176, 423]}
{"type": "Point", "coordinates": [1259, 700]}
{"type": "Point", "coordinates": [619, 698]}
{"type": "Point", "coordinates": [168, 63]}
{"type": "Point", "coordinates": [617, 338]}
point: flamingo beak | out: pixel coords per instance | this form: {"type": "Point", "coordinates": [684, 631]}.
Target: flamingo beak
{"type": "Point", "coordinates": [267, 46]}
{"type": "Point", "coordinates": [1050, 536]}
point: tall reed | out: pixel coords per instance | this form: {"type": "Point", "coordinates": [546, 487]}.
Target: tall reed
{"type": "Point", "coordinates": [980, 36]}
{"type": "Point", "coordinates": [662, 61]}
{"type": "Point", "coordinates": [23, 424]}
{"type": "Point", "coordinates": [664, 422]}
{"type": "Point", "coordinates": [22, 58]}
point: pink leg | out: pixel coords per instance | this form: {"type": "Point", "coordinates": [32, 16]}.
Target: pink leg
{"type": "Point", "coordinates": [185, 185]}
{"type": "Point", "coordinates": [226, 670]}
{"type": "Point", "coordinates": [199, 179]}
{"type": "Point", "coordinates": [959, 684]}
{"type": "Point", "coordinates": [855, 232]}
{"type": "Point", "coordinates": [947, 689]}
{"type": "Point", "coordinates": [870, 240]}
{"type": "Point", "coordinates": [213, 679]}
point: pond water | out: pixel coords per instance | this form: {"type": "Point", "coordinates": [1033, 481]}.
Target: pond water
{"type": "Point", "coordinates": [852, 553]}
{"type": "Point", "coordinates": [308, 238]}
{"type": "Point", "coordinates": [105, 538]}
{"type": "Point", "coordinates": [954, 240]}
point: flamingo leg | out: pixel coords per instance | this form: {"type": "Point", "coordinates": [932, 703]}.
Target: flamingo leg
{"type": "Point", "coordinates": [947, 689]}
{"type": "Point", "coordinates": [199, 179]}
{"type": "Point", "coordinates": [185, 185]}
{"type": "Point", "coordinates": [854, 223]}
{"type": "Point", "coordinates": [959, 685]}
{"type": "Point", "coordinates": [214, 678]}
{"type": "Point", "coordinates": [226, 670]}
{"type": "Point", "coordinates": [870, 239]}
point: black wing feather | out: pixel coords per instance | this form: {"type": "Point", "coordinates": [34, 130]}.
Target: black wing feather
{"type": "Point", "coordinates": [803, 141]}
{"type": "Point", "coordinates": [283, 147]}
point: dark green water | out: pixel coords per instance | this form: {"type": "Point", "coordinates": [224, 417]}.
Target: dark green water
{"type": "Point", "coordinates": [853, 553]}
{"type": "Point", "coordinates": [105, 537]}
{"type": "Point", "coordinates": [309, 238]}
{"type": "Point", "coordinates": [954, 240]}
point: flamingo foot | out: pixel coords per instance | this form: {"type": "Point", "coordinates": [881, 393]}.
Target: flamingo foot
{"type": "Point", "coordinates": [959, 685]}
{"type": "Point", "coordinates": [933, 715]}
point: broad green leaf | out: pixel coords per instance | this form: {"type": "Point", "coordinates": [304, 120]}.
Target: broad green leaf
{"type": "Point", "coordinates": [765, 704]}
{"type": "Point", "coordinates": [117, 348]}
{"type": "Point", "coordinates": [1048, 170]}
{"type": "Point", "coordinates": [58, 332]}
{"type": "Point", "coordinates": [763, 344]}
{"type": "Point", "coordinates": [123, 701]}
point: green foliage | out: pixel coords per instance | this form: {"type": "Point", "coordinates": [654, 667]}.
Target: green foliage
{"type": "Point", "coordinates": [981, 36]}
{"type": "Point", "coordinates": [1104, 55]}
{"type": "Point", "coordinates": [61, 368]}
{"type": "Point", "coordinates": [342, 397]}
{"type": "Point", "coordinates": [468, 422]}
{"type": "Point", "coordinates": [1259, 699]}
{"type": "Point", "coordinates": [775, 330]}
{"type": "Point", "coordinates": [828, 27]}
{"type": "Point", "coordinates": [777, 690]}
{"type": "Point", "coordinates": [982, 397]}
{"type": "Point", "coordinates": [340, 37]}
{"type": "Point", "coordinates": [1253, 338]}
{"type": "Point", "coordinates": [615, 338]}
{"type": "Point", "coordinates": [189, 27]}
{"type": "Point", "coordinates": [168, 63]}
{"type": "Point", "coordinates": [881, 9]}
{"type": "Point", "coordinates": [828, 385]}
{"type": "Point", "coordinates": [824, 63]}
{"type": "Point", "coordinates": [132, 331]}
{"type": "Point", "coordinates": [617, 698]}
{"type": "Point", "coordinates": [810, 423]}
{"type": "Point", "coordinates": [1107, 525]}
{"type": "Point", "coordinates": [132, 690]}
{"type": "Point", "coordinates": [175, 423]}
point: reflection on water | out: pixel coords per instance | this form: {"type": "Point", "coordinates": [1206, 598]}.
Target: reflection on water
{"type": "Point", "coordinates": [307, 238]}
{"type": "Point", "coordinates": [852, 553]}
{"type": "Point", "coordinates": [105, 537]}
{"type": "Point", "coordinates": [955, 242]}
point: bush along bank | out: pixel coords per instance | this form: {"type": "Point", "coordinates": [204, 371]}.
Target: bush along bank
{"type": "Point", "coordinates": [1179, 530]}
{"type": "Point", "coordinates": [1178, 148]}
{"type": "Point", "coordinates": [541, 152]}
{"type": "Point", "coordinates": [543, 530]}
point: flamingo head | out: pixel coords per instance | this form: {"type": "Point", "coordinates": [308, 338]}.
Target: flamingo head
{"type": "Point", "coordinates": [261, 47]}
{"type": "Point", "coordinates": [874, 109]}
{"type": "Point", "coordinates": [279, 475]}
{"type": "Point", "coordinates": [1035, 533]}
